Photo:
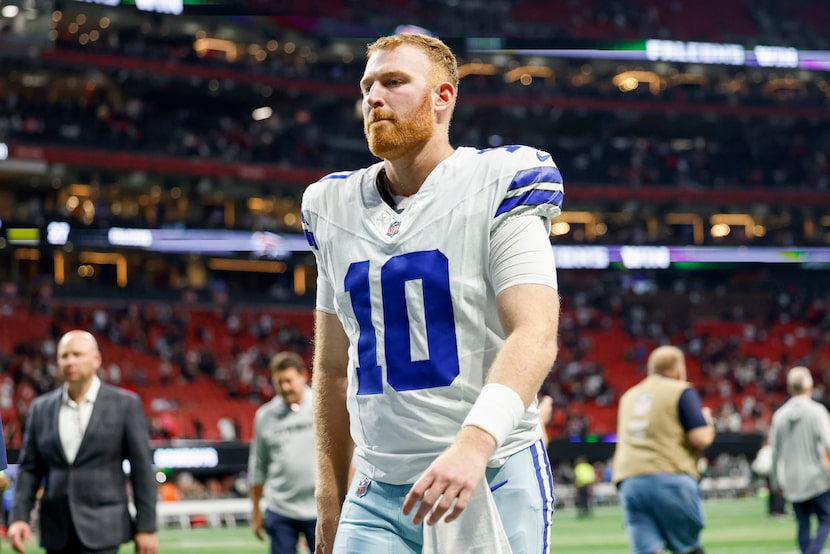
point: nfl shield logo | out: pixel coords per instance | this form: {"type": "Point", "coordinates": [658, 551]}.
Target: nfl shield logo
{"type": "Point", "coordinates": [362, 487]}
{"type": "Point", "coordinates": [393, 229]}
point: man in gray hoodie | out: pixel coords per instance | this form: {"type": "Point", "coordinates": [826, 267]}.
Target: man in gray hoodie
{"type": "Point", "coordinates": [800, 438]}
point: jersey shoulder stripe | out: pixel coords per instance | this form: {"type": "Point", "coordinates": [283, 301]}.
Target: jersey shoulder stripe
{"type": "Point", "coordinates": [309, 236]}
{"type": "Point", "coordinates": [536, 175]}
{"type": "Point", "coordinates": [339, 175]}
{"type": "Point", "coordinates": [533, 187]}
{"type": "Point", "coordinates": [531, 198]}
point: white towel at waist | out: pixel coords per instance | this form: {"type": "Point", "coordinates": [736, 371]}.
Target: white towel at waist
{"type": "Point", "coordinates": [478, 530]}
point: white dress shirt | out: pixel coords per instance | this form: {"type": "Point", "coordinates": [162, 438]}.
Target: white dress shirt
{"type": "Point", "coordinates": [73, 418]}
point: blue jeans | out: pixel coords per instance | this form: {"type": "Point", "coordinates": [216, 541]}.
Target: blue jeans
{"type": "Point", "coordinates": [820, 506]}
{"type": "Point", "coordinates": [662, 510]}
{"type": "Point", "coordinates": [285, 532]}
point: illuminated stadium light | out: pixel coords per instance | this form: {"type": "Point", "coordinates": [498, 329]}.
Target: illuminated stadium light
{"type": "Point", "coordinates": [249, 266]}
{"type": "Point", "coordinates": [720, 230]}
{"type": "Point", "coordinates": [689, 79]}
{"type": "Point", "coordinates": [524, 72]}
{"type": "Point", "coordinates": [57, 233]}
{"type": "Point", "coordinates": [588, 219]}
{"type": "Point", "coordinates": [204, 45]}
{"type": "Point", "coordinates": [30, 254]}
{"type": "Point", "coordinates": [560, 228]}
{"type": "Point", "coordinates": [787, 84]}
{"type": "Point", "coordinates": [628, 84]}
{"type": "Point", "coordinates": [630, 80]}
{"type": "Point", "coordinates": [744, 220]}
{"type": "Point", "coordinates": [476, 68]}
{"type": "Point", "coordinates": [86, 271]}
{"type": "Point", "coordinates": [10, 11]}
{"type": "Point", "coordinates": [261, 114]}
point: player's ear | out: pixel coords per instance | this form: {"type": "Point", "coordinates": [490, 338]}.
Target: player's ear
{"type": "Point", "coordinates": [444, 96]}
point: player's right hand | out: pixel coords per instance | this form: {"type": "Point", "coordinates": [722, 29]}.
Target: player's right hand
{"type": "Point", "coordinates": [19, 534]}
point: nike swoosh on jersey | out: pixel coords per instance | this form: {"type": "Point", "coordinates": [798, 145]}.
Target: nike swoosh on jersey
{"type": "Point", "coordinates": [542, 157]}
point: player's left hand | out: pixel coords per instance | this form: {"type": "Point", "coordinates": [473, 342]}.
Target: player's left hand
{"type": "Point", "coordinates": [449, 481]}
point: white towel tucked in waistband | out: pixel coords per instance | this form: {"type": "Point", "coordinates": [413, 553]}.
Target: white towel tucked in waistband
{"type": "Point", "coordinates": [478, 530]}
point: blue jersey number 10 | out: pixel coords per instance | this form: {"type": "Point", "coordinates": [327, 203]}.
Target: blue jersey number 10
{"type": "Point", "coordinates": [431, 267]}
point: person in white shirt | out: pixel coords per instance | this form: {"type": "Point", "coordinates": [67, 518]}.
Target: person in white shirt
{"type": "Point", "coordinates": [800, 439]}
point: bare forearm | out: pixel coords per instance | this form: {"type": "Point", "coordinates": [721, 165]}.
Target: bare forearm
{"type": "Point", "coordinates": [530, 349]}
{"type": "Point", "coordinates": [255, 494]}
{"type": "Point", "coordinates": [334, 444]}
{"type": "Point", "coordinates": [523, 364]}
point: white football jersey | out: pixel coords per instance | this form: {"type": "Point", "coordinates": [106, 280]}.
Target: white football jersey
{"type": "Point", "coordinates": [414, 295]}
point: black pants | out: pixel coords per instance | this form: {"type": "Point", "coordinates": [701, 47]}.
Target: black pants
{"type": "Point", "coordinates": [583, 500]}
{"type": "Point", "coordinates": [74, 546]}
{"type": "Point", "coordinates": [285, 532]}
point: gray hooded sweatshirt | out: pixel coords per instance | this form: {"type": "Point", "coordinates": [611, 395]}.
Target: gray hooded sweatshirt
{"type": "Point", "coordinates": [800, 439]}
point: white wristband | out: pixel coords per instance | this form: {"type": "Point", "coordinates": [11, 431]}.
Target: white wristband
{"type": "Point", "coordinates": [497, 410]}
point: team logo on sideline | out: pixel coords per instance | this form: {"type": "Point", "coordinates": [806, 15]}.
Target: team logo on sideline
{"type": "Point", "coordinates": [393, 229]}
{"type": "Point", "coordinates": [362, 487]}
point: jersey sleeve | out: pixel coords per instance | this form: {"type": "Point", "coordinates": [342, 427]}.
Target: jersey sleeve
{"type": "Point", "coordinates": [309, 217]}
{"type": "Point", "coordinates": [529, 184]}
{"type": "Point", "coordinates": [520, 253]}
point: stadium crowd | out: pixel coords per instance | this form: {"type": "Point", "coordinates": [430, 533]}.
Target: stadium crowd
{"type": "Point", "coordinates": [739, 346]}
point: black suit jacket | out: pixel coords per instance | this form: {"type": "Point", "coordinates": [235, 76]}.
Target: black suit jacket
{"type": "Point", "coordinates": [93, 489]}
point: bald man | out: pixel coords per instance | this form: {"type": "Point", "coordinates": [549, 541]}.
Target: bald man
{"type": "Point", "coordinates": [661, 430]}
{"type": "Point", "coordinates": [75, 441]}
{"type": "Point", "coordinates": [800, 440]}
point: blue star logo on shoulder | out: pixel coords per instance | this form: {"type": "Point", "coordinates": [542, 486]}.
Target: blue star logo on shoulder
{"type": "Point", "coordinates": [393, 229]}
{"type": "Point", "coordinates": [363, 487]}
